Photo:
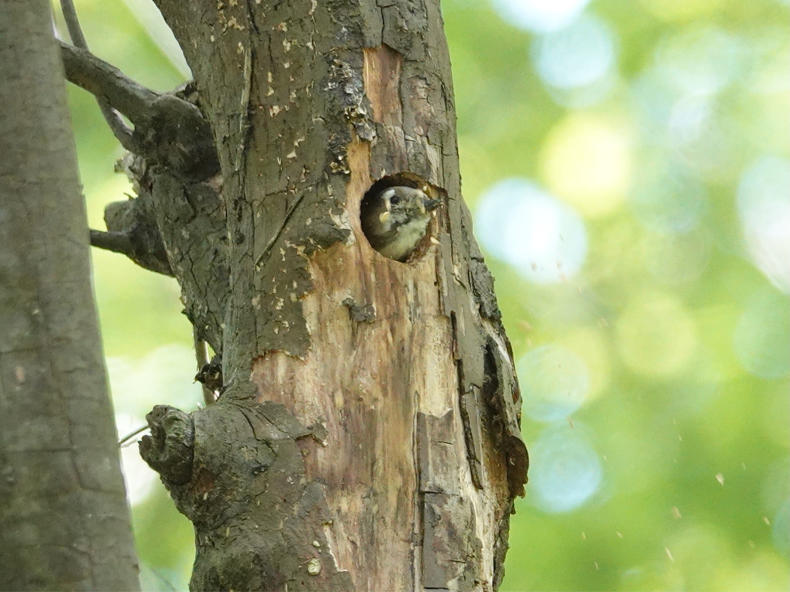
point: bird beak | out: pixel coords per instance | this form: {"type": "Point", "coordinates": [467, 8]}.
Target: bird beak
{"type": "Point", "coordinates": [430, 204]}
{"type": "Point", "coordinates": [383, 216]}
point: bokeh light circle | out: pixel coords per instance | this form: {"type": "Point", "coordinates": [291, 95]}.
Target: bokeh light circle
{"type": "Point", "coordinates": [656, 335]}
{"type": "Point", "coordinates": [700, 60]}
{"type": "Point", "coordinates": [565, 470]}
{"type": "Point", "coordinates": [539, 15]}
{"type": "Point", "coordinates": [585, 96]}
{"type": "Point", "coordinates": [762, 335]}
{"type": "Point", "coordinates": [668, 199]}
{"type": "Point", "coordinates": [543, 238]}
{"type": "Point", "coordinates": [676, 258]}
{"type": "Point", "coordinates": [591, 345]}
{"type": "Point", "coordinates": [554, 382]}
{"type": "Point", "coordinates": [586, 161]}
{"type": "Point", "coordinates": [704, 545]}
{"type": "Point", "coordinates": [764, 212]}
{"type": "Point", "coordinates": [701, 135]}
{"type": "Point", "coordinates": [575, 56]}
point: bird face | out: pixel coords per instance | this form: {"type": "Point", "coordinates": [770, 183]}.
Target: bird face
{"type": "Point", "coordinates": [401, 206]}
{"type": "Point", "coordinates": [396, 219]}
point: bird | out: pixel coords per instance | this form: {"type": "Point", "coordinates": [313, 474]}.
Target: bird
{"type": "Point", "coordinates": [395, 220]}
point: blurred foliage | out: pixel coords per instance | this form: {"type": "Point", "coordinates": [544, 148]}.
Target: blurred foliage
{"type": "Point", "coordinates": [628, 165]}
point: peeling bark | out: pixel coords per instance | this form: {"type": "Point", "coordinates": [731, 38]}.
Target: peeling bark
{"type": "Point", "coordinates": [367, 435]}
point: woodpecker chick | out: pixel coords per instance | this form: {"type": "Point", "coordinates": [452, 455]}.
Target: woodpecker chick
{"type": "Point", "coordinates": [395, 220]}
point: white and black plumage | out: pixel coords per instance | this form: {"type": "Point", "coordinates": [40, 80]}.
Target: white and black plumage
{"type": "Point", "coordinates": [396, 219]}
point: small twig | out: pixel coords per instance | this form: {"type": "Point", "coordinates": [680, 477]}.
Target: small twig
{"type": "Point", "coordinates": [107, 82]}
{"type": "Point", "coordinates": [119, 129]}
{"type": "Point", "coordinates": [118, 242]}
{"type": "Point", "coordinates": [128, 437]}
{"type": "Point", "coordinates": [73, 23]}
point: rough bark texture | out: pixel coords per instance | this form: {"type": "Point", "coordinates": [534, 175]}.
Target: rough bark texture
{"type": "Point", "coordinates": [367, 435]}
{"type": "Point", "coordinates": [64, 522]}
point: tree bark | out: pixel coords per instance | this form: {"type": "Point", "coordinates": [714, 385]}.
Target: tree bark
{"type": "Point", "coordinates": [367, 434]}
{"type": "Point", "coordinates": [64, 520]}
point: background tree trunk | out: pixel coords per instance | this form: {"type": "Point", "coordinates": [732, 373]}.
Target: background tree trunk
{"type": "Point", "coordinates": [64, 521]}
{"type": "Point", "coordinates": [367, 434]}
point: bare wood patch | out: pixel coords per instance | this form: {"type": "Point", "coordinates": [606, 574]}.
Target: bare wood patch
{"type": "Point", "coordinates": [381, 74]}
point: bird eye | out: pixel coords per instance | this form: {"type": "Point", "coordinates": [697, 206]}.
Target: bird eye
{"type": "Point", "coordinates": [394, 199]}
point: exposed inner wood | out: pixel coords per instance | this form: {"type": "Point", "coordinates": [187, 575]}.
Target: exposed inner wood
{"type": "Point", "coordinates": [387, 392]}
{"type": "Point", "coordinates": [366, 383]}
{"type": "Point", "coordinates": [381, 74]}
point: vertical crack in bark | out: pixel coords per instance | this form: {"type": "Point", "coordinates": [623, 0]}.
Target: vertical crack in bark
{"type": "Point", "coordinates": [418, 529]}
{"type": "Point", "coordinates": [470, 415]}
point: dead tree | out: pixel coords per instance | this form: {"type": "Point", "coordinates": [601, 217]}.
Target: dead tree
{"type": "Point", "coordinates": [366, 435]}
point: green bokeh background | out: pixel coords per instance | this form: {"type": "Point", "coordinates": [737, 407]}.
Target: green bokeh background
{"type": "Point", "coordinates": [655, 363]}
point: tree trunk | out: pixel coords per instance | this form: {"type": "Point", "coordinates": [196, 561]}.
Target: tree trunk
{"type": "Point", "coordinates": [64, 521]}
{"type": "Point", "coordinates": [367, 434]}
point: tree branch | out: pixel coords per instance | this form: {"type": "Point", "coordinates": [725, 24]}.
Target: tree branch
{"type": "Point", "coordinates": [132, 231]}
{"type": "Point", "coordinates": [167, 129]}
{"type": "Point", "coordinates": [119, 129]}
{"type": "Point", "coordinates": [118, 242]}
{"type": "Point", "coordinates": [108, 83]}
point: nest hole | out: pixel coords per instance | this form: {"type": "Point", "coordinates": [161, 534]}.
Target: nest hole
{"type": "Point", "coordinates": [391, 231]}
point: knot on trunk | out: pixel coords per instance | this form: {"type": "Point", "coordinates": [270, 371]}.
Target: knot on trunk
{"type": "Point", "coordinates": [169, 449]}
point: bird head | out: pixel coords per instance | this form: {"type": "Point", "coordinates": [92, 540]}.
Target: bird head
{"type": "Point", "coordinates": [399, 206]}
{"type": "Point", "coordinates": [396, 219]}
